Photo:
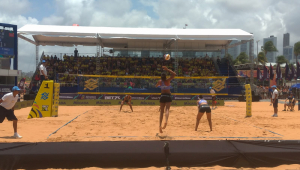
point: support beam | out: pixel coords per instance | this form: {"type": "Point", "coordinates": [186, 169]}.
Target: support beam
{"type": "Point", "coordinates": [251, 49]}
{"type": "Point", "coordinates": [27, 39]}
{"type": "Point", "coordinates": [36, 55]}
{"type": "Point", "coordinates": [100, 40]}
{"type": "Point", "coordinates": [168, 44]}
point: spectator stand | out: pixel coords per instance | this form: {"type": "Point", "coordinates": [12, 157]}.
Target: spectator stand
{"type": "Point", "coordinates": [137, 43]}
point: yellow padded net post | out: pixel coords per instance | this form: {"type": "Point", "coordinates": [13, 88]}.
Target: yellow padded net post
{"type": "Point", "coordinates": [248, 94]}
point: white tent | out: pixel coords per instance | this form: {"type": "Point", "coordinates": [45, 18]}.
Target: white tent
{"type": "Point", "coordinates": [116, 37]}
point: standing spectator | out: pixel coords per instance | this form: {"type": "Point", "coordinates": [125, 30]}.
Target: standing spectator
{"type": "Point", "coordinates": [43, 71]}
{"type": "Point", "coordinates": [75, 52]}
{"type": "Point", "coordinates": [275, 100]}
{"type": "Point", "coordinates": [7, 104]}
{"type": "Point", "coordinates": [218, 60]}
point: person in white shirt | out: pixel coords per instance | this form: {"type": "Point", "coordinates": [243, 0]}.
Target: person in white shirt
{"type": "Point", "coordinates": [275, 100]}
{"type": "Point", "coordinates": [214, 102]}
{"type": "Point", "coordinates": [7, 104]}
{"type": "Point", "coordinates": [43, 71]}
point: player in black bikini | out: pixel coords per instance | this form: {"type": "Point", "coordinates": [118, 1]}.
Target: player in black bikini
{"type": "Point", "coordinates": [127, 99]}
{"type": "Point", "coordinates": [203, 107]}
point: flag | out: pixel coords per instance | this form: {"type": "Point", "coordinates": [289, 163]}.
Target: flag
{"type": "Point", "coordinates": [293, 74]}
{"type": "Point", "coordinates": [22, 83]}
{"type": "Point", "coordinates": [259, 74]}
{"type": "Point", "coordinates": [186, 24]}
{"type": "Point", "coordinates": [271, 72]}
{"type": "Point", "coordinates": [278, 72]}
{"type": "Point", "coordinates": [287, 72]}
{"type": "Point", "coordinates": [266, 75]}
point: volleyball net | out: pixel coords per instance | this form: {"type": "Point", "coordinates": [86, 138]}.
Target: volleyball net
{"type": "Point", "coordinates": [106, 84]}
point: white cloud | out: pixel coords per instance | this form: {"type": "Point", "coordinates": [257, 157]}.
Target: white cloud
{"type": "Point", "coordinates": [26, 51]}
{"type": "Point", "coordinates": [263, 18]}
{"type": "Point", "coordinates": [14, 6]}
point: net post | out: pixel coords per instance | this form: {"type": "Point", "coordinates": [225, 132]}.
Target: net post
{"type": "Point", "coordinates": [252, 62]}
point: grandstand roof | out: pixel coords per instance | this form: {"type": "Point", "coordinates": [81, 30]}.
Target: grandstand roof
{"type": "Point", "coordinates": [117, 37]}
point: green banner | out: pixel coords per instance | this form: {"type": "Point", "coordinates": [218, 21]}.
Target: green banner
{"type": "Point", "coordinates": [18, 106]}
{"type": "Point", "coordinates": [133, 102]}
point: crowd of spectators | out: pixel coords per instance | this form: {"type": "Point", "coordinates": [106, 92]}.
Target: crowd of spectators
{"type": "Point", "coordinates": [265, 92]}
{"type": "Point", "coordinates": [68, 67]}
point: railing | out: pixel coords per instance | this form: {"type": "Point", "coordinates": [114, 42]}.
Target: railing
{"type": "Point", "coordinates": [60, 55]}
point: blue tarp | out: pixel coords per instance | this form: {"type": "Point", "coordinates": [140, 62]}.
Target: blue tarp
{"type": "Point", "coordinates": [296, 86]}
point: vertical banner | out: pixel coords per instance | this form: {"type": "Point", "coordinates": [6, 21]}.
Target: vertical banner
{"type": "Point", "coordinates": [42, 105]}
{"type": "Point", "coordinates": [55, 100]}
{"type": "Point", "coordinates": [248, 94]}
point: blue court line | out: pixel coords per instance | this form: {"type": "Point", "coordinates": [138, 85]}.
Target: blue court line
{"type": "Point", "coordinates": [65, 124]}
{"type": "Point", "coordinates": [254, 126]}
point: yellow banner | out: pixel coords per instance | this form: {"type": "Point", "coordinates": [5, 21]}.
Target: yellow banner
{"type": "Point", "coordinates": [55, 100]}
{"type": "Point", "coordinates": [42, 105]}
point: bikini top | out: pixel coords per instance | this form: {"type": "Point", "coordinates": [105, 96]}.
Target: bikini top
{"type": "Point", "coordinates": [164, 87]}
{"type": "Point", "coordinates": [202, 101]}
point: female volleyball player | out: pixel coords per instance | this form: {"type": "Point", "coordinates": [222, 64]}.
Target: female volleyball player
{"type": "Point", "coordinates": [127, 99]}
{"type": "Point", "coordinates": [165, 98]}
{"type": "Point", "coordinates": [203, 107]}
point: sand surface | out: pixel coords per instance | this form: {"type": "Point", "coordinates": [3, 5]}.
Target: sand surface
{"type": "Point", "coordinates": [100, 123]}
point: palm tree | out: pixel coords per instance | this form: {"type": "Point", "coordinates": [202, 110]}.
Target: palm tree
{"type": "Point", "coordinates": [281, 59]}
{"type": "Point", "coordinates": [297, 49]}
{"type": "Point", "coordinates": [261, 58]}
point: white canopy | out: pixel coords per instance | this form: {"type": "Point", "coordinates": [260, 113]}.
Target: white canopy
{"type": "Point", "coordinates": [117, 37]}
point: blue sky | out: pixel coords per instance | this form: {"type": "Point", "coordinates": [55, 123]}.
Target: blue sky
{"type": "Point", "coordinates": [263, 18]}
{"type": "Point", "coordinates": [40, 9]}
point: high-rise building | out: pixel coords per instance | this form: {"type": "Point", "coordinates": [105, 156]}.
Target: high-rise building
{"type": "Point", "coordinates": [288, 53]}
{"type": "Point", "coordinates": [234, 51]}
{"type": "Point", "coordinates": [286, 40]}
{"type": "Point", "coordinates": [271, 55]}
{"type": "Point", "coordinates": [245, 48]}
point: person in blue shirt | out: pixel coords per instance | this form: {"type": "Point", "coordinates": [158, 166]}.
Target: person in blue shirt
{"type": "Point", "coordinates": [270, 94]}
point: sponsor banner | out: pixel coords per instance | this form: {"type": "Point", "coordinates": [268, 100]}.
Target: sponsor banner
{"type": "Point", "coordinates": [133, 102]}
{"type": "Point", "coordinates": [194, 103]}
{"type": "Point", "coordinates": [18, 106]}
{"type": "Point", "coordinates": [121, 97]}
{"type": "Point", "coordinates": [4, 90]}
{"type": "Point", "coordinates": [23, 104]}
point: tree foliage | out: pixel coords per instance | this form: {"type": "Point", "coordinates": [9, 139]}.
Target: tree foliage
{"type": "Point", "coordinates": [269, 47]}
{"type": "Point", "coordinates": [297, 48]}
{"type": "Point", "coordinates": [242, 59]}
{"type": "Point", "coordinates": [281, 59]}
{"type": "Point", "coordinates": [261, 58]}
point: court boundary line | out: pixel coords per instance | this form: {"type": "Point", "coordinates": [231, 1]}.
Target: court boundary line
{"type": "Point", "coordinates": [67, 124]}
{"type": "Point", "coordinates": [223, 137]}
{"type": "Point", "coordinates": [251, 125]}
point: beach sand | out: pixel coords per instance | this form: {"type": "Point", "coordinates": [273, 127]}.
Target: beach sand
{"type": "Point", "coordinates": [107, 123]}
